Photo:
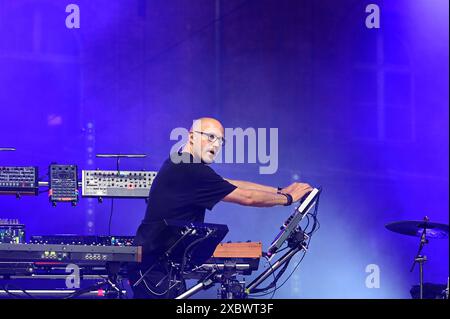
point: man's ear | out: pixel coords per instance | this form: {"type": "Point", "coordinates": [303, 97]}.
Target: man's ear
{"type": "Point", "coordinates": [191, 138]}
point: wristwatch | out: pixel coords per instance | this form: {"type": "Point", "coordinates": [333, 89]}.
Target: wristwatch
{"type": "Point", "coordinates": [289, 199]}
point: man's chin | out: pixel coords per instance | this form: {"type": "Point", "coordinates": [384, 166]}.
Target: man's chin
{"type": "Point", "coordinates": [207, 159]}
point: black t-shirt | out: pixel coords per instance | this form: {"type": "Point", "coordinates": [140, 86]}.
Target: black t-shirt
{"type": "Point", "coordinates": [179, 192]}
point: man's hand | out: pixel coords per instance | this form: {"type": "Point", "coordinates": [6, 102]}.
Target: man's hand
{"type": "Point", "coordinates": [297, 190]}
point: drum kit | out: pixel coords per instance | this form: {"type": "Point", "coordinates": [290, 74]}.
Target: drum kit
{"type": "Point", "coordinates": [425, 230]}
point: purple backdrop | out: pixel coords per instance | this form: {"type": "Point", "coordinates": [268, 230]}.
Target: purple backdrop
{"type": "Point", "coordinates": [361, 112]}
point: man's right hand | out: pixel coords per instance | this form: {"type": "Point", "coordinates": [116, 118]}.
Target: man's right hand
{"type": "Point", "coordinates": [297, 190]}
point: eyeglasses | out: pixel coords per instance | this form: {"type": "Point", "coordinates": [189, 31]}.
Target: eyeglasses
{"type": "Point", "coordinates": [212, 137]}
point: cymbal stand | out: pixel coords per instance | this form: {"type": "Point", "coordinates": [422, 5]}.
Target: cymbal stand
{"type": "Point", "coordinates": [420, 258]}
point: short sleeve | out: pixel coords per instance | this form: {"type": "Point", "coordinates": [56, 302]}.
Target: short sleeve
{"type": "Point", "coordinates": [211, 187]}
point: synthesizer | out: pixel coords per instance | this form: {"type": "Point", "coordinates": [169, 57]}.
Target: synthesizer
{"type": "Point", "coordinates": [12, 231]}
{"type": "Point", "coordinates": [78, 254]}
{"type": "Point", "coordinates": [57, 269]}
{"type": "Point", "coordinates": [63, 183]}
{"type": "Point", "coordinates": [18, 180]}
{"type": "Point", "coordinates": [82, 240]}
{"type": "Point", "coordinates": [111, 184]}
{"type": "Point", "coordinates": [290, 225]}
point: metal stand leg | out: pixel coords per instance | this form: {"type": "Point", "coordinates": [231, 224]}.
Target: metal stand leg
{"type": "Point", "coordinates": [280, 262]}
{"type": "Point", "coordinates": [419, 258]}
{"type": "Point", "coordinates": [198, 287]}
{"type": "Point", "coordinates": [205, 284]}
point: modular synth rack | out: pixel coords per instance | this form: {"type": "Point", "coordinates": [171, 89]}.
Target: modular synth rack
{"type": "Point", "coordinates": [125, 184]}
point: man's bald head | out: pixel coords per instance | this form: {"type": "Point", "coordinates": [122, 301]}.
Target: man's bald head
{"type": "Point", "coordinates": [206, 123]}
{"type": "Point", "coordinates": [206, 137]}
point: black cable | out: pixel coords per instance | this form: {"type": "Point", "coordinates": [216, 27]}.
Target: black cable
{"type": "Point", "coordinates": [82, 291]}
{"type": "Point", "coordinates": [169, 281]}
{"type": "Point", "coordinates": [274, 277]}
{"type": "Point", "coordinates": [307, 219]}
{"type": "Point", "coordinates": [274, 283]}
{"type": "Point", "coordinates": [281, 272]}
{"type": "Point", "coordinates": [284, 282]}
{"type": "Point", "coordinates": [6, 288]}
{"type": "Point", "coordinates": [184, 259]}
{"type": "Point", "coordinates": [25, 292]}
{"type": "Point", "coordinates": [88, 289]}
{"type": "Point", "coordinates": [301, 259]}
{"type": "Point", "coordinates": [278, 276]}
{"type": "Point", "coordinates": [110, 216]}
{"type": "Point", "coordinates": [295, 268]}
{"type": "Point", "coordinates": [315, 226]}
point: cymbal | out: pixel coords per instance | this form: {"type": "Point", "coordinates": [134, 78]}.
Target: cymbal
{"type": "Point", "coordinates": [416, 227]}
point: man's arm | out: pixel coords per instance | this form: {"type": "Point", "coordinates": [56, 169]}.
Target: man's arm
{"type": "Point", "coordinates": [250, 185]}
{"type": "Point", "coordinates": [261, 198]}
{"type": "Point", "coordinates": [254, 197]}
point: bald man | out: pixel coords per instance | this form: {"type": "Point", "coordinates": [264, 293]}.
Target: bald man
{"type": "Point", "coordinates": [183, 189]}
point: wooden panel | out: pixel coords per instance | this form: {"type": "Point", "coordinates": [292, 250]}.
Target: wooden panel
{"type": "Point", "coordinates": [238, 250]}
